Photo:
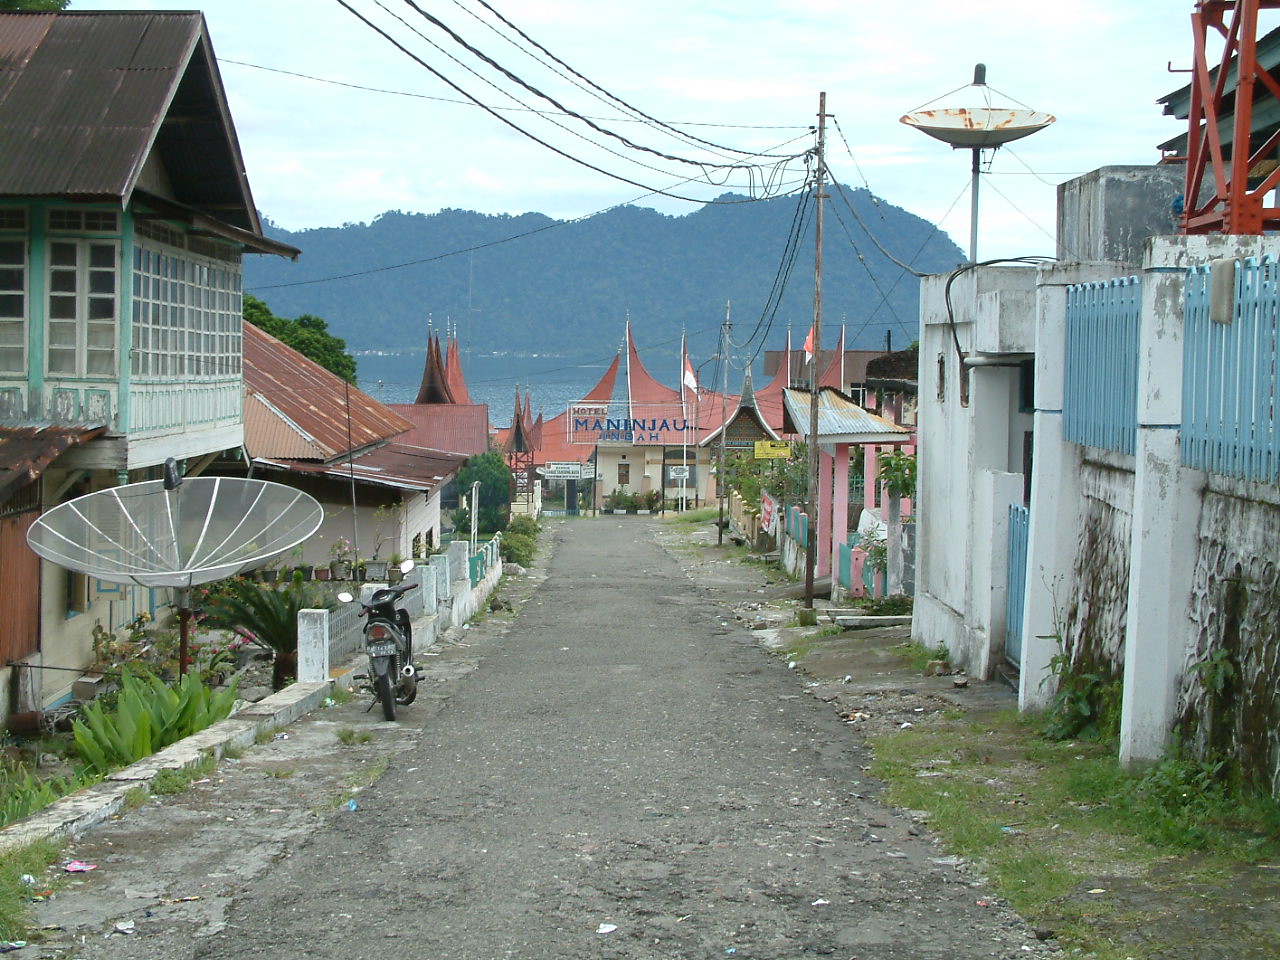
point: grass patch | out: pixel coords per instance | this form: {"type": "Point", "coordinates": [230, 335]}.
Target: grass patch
{"type": "Point", "coordinates": [280, 773]}
{"type": "Point", "coordinates": [340, 694]}
{"type": "Point", "coordinates": [265, 735]}
{"type": "Point", "coordinates": [349, 736]}
{"type": "Point", "coordinates": [898, 605]}
{"type": "Point", "coordinates": [15, 896]}
{"type": "Point", "coordinates": [918, 656]}
{"type": "Point", "coordinates": [234, 752]}
{"type": "Point", "coordinates": [831, 630]}
{"type": "Point", "coordinates": [171, 781]}
{"type": "Point", "coordinates": [135, 797]}
{"type": "Point", "coordinates": [692, 517]}
{"type": "Point", "coordinates": [1046, 821]}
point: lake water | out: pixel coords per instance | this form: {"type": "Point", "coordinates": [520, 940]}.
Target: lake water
{"type": "Point", "coordinates": [553, 382]}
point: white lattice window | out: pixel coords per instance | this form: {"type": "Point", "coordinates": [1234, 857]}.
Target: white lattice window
{"type": "Point", "coordinates": [13, 305]}
{"type": "Point", "coordinates": [186, 314]}
{"type": "Point", "coordinates": [83, 307]}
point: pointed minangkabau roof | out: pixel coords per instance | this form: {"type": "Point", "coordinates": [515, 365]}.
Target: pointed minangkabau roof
{"type": "Point", "coordinates": [453, 372]}
{"type": "Point", "coordinates": [435, 383]}
{"type": "Point", "coordinates": [745, 411]}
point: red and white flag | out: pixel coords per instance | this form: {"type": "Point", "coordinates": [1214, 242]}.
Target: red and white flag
{"type": "Point", "coordinates": [808, 347]}
{"type": "Point", "coordinates": [689, 380]}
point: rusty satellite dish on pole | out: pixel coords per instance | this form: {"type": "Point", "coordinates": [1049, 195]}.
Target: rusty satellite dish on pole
{"type": "Point", "coordinates": [977, 128]}
{"type": "Point", "coordinates": [175, 532]}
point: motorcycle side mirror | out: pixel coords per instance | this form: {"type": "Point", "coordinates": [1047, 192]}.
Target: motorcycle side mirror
{"type": "Point", "coordinates": [406, 566]}
{"type": "Point", "coordinates": [345, 597]}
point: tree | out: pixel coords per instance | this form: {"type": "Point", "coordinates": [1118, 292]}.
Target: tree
{"type": "Point", "coordinates": [495, 488]}
{"type": "Point", "coordinates": [8, 5]}
{"type": "Point", "coordinates": [308, 334]}
{"type": "Point", "coordinates": [897, 471]}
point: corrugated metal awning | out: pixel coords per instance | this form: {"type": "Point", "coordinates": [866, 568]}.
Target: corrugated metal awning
{"type": "Point", "coordinates": [840, 420]}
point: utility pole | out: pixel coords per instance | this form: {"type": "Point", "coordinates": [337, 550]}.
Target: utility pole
{"type": "Point", "coordinates": [820, 170]}
{"type": "Point", "coordinates": [721, 485]}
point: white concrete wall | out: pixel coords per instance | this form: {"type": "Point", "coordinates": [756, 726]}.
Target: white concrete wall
{"type": "Point", "coordinates": [970, 458]}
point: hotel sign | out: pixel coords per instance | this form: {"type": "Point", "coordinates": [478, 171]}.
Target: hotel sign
{"type": "Point", "coordinates": [615, 423]}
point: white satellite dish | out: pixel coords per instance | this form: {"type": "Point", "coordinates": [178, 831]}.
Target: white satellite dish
{"type": "Point", "coordinates": [977, 128]}
{"type": "Point", "coordinates": [983, 127]}
{"type": "Point", "coordinates": [175, 532]}
{"type": "Point", "coordinates": [206, 529]}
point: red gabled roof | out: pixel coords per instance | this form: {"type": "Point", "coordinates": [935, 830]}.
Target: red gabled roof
{"type": "Point", "coordinates": [458, 428]}
{"type": "Point", "coordinates": [296, 409]}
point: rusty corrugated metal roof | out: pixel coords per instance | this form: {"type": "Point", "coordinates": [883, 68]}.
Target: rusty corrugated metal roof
{"type": "Point", "coordinates": [397, 465]}
{"type": "Point", "coordinates": [86, 97]}
{"type": "Point", "coordinates": [25, 452]}
{"type": "Point", "coordinates": [840, 420]}
{"type": "Point", "coordinates": [458, 428]}
{"type": "Point", "coordinates": [331, 414]}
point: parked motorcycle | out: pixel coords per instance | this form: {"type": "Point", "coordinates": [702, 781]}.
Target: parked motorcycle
{"type": "Point", "coordinates": [388, 642]}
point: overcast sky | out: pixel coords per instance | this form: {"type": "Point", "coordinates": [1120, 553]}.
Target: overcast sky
{"type": "Point", "coordinates": [320, 154]}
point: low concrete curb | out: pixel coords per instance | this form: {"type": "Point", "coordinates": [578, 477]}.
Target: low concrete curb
{"type": "Point", "coordinates": [83, 809]}
{"type": "Point", "coordinates": [857, 621]}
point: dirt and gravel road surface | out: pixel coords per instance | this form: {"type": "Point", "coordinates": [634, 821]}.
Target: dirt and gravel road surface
{"type": "Point", "coordinates": [619, 770]}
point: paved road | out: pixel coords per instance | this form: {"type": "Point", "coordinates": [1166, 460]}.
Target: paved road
{"type": "Point", "coordinates": [620, 773]}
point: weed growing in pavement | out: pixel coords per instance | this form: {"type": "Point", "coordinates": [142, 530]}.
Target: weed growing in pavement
{"type": "Point", "coordinates": [355, 783]}
{"type": "Point", "coordinates": [175, 781]}
{"type": "Point", "coordinates": [265, 735]}
{"type": "Point", "coordinates": [280, 773]}
{"type": "Point", "coordinates": [31, 860]}
{"type": "Point", "coordinates": [135, 797]}
{"type": "Point", "coordinates": [831, 630]}
{"type": "Point", "coordinates": [1043, 818]}
{"type": "Point", "coordinates": [234, 752]}
{"type": "Point", "coordinates": [340, 694]}
{"type": "Point", "coordinates": [920, 656]}
{"type": "Point", "coordinates": [349, 736]}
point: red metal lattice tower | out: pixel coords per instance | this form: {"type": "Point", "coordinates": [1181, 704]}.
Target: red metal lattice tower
{"type": "Point", "coordinates": [1242, 174]}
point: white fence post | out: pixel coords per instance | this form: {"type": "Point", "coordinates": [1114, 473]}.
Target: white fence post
{"type": "Point", "coordinates": [313, 646]}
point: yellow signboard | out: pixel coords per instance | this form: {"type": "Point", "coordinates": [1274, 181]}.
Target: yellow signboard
{"type": "Point", "coordinates": [772, 450]}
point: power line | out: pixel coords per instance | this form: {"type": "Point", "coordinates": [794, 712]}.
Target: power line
{"type": "Point", "coordinates": [515, 78]}
{"type": "Point", "coordinates": [594, 86]}
{"type": "Point", "coordinates": [515, 126]}
{"type": "Point", "coordinates": [469, 103]}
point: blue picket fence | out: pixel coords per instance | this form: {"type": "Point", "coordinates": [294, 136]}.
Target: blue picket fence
{"type": "Point", "coordinates": [1229, 376]}
{"type": "Point", "coordinates": [1100, 388]}
{"type": "Point", "coordinates": [1016, 582]}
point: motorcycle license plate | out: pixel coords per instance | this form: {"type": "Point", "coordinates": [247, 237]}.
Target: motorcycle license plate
{"type": "Point", "coordinates": [381, 648]}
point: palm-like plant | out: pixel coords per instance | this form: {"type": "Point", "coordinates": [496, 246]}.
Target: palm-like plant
{"type": "Point", "coordinates": [266, 615]}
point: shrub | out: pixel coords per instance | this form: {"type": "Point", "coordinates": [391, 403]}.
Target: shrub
{"type": "Point", "coordinates": [517, 548]}
{"type": "Point", "coordinates": [21, 793]}
{"type": "Point", "coordinates": [265, 615]}
{"type": "Point", "coordinates": [524, 525]}
{"type": "Point", "coordinates": [148, 716]}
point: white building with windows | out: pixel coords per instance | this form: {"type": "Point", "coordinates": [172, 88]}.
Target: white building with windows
{"type": "Point", "coordinates": [124, 214]}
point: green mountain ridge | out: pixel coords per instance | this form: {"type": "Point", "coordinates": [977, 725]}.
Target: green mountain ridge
{"type": "Point", "coordinates": [536, 284]}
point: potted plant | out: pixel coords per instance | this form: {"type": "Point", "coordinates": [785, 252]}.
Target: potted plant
{"type": "Point", "coordinates": [374, 569]}
{"type": "Point", "coordinates": [340, 554]}
{"type": "Point", "coordinates": [394, 574]}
